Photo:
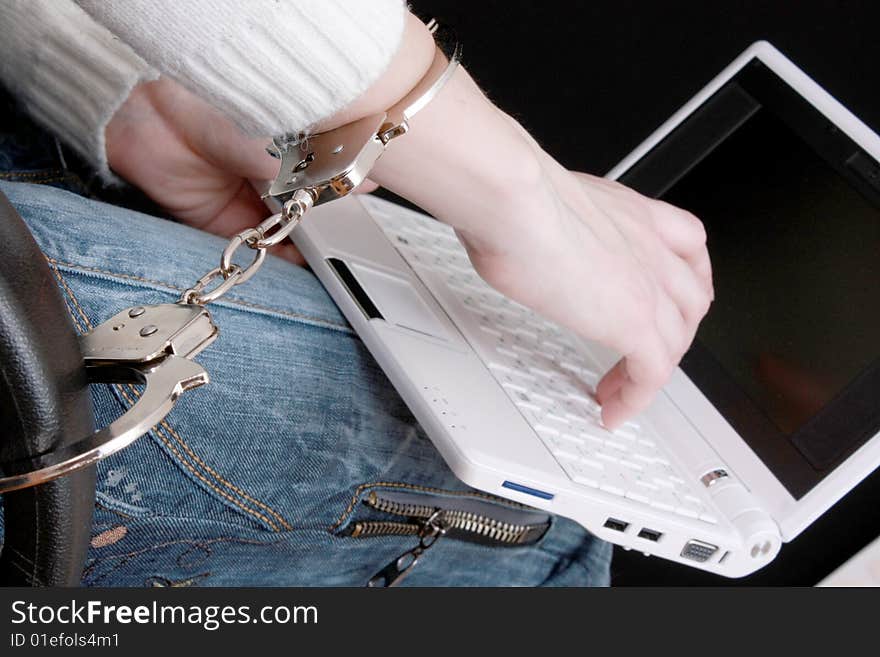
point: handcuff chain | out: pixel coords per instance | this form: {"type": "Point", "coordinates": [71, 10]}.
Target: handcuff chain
{"type": "Point", "coordinates": [259, 239]}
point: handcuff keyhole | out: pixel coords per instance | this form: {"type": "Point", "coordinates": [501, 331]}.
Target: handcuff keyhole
{"type": "Point", "coordinates": [304, 163]}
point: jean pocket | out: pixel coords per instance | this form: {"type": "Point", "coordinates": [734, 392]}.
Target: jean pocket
{"type": "Point", "coordinates": [431, 515]}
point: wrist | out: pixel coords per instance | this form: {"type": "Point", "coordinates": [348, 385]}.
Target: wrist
{"type": "Point", "coordinates": [463, 161]}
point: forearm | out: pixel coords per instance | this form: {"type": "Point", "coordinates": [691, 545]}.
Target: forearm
{"type": "Point", "coordinates": [462, 159]}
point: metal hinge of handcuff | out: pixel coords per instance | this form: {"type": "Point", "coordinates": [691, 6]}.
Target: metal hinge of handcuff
{"type": "Point", "coordinates": [155, 345]}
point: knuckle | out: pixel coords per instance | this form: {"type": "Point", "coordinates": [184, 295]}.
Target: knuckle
{"type": "Point", "coordinates": [696, 226]}
{"type": "Point", "coordinates": [699, 306]}
{"type": "Point", "coordinates": [657, 377]}
{"type": "Point", "coordinates": [704, 305]}
{"type": "Point", "coordinates": [641, 318]}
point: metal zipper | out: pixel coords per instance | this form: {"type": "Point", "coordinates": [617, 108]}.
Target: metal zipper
{"type": "Point", "coordinates": [455, 519]}
{"type": "Point", "coordinates": [430, 523]}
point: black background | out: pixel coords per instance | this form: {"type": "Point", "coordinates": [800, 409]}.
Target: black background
{"type": "Point", "coordinates": [592, 79]}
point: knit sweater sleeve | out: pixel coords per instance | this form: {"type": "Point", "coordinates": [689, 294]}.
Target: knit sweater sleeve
{"type": "Point", "coordinates": [272, 66]}
{"type": "Point", "coordinates": [70, 73]}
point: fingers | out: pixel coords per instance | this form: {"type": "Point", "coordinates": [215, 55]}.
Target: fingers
{"type": "Point", "coordinates": [611, 382]}
{"type": "Point", "coordinates": [289, 252]}
{"type": "Point", "coordinates": [640, 375]}
{"type": "Point", "coordinates": [631, 384]}
{"type": "Point", "coordinates": [245, 210]}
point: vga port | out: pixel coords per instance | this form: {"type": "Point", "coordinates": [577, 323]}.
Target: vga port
{"type": "Point", "coordinates": [698, 551]}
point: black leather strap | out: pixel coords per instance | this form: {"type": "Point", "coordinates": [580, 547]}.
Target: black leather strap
{"type": "Point", "coordinates": [44, 404]}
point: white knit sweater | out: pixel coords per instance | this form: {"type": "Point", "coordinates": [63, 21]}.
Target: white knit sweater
{"type": "Point", "coordinates": [273, 66]}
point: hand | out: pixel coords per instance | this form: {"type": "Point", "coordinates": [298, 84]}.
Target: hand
{"type": "Point", "coordinates": [191, 160]}
{"type": "Point", "coordinates": [611, 265]}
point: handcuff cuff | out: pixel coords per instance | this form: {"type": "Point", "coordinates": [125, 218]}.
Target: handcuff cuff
{"type": "Point", "coordinates": [154, 345]}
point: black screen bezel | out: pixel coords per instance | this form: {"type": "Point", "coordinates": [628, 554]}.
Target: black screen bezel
{"type": "Point", "coordinates": [800, 460]}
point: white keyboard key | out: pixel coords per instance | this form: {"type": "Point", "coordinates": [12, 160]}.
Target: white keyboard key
{"type": "Point", "coordinates": [504, 351]}
{"type": "Point", "coordinates": [532, 416]}
{"type": "Point", "coordinates": [582, 478]}
{"type": "Point", "coordinates": [612, 488]}
{"type": "Point", "coordinates": [616, 445]}
{"type": "Point", "coordinates": [546, 430]}
{"type": "Point", "coordinates": [549, 420]}
{"type": "Point", "coordinates": [596, 465]}
{"type": "Point", "coordinates": [515, 388]}
{"type": "Point", "coordinates": [637, 497]}
{"type": "Point", "coordinates": [580, 473]}
{"type": "Point", "coordinates": [708, 517]}
{"type": "Point", "coordinates": [559, 419]}
{"type": "Point", "coordinates": [589, 438]}
{"type": "Point", "coordinates": [589, 402]}
{"type": "Point", "coordinates": [562, 448]}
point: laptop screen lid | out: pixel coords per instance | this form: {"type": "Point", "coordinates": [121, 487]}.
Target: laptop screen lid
{"type": "Point", "coordinates": [787, 184]}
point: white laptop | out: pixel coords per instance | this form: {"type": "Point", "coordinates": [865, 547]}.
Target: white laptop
{"type": "Point", "coordinates": [774, 413]}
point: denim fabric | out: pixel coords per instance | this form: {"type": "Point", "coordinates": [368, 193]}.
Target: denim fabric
{"type": "Point", "coordinates": [254, 478]}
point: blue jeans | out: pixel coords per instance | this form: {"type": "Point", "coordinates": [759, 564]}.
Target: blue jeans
{"type": "Point", "coordinates": [259, 477]}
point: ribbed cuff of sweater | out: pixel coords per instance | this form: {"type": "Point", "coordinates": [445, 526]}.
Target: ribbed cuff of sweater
{"type": "Point", "coordinates": [272, 66]}
{"type": "Point", "coordinates": [71, 73]}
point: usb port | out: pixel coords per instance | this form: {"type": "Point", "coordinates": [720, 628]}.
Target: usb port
{"type": "Point", "coordinates": [616, 525]}
{"type": "Point", "coordinates": [650, 534]}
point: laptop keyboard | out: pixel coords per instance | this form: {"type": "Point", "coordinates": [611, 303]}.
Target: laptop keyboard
{"type": "Point", "coordinates": [543, 371]}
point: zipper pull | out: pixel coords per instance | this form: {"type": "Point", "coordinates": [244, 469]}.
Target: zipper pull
{"type": "Point", "coordinates": [396, 571]}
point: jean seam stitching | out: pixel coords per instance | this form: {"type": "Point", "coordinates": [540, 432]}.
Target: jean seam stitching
{"type": "Point", "coordinates": [423, 489]}
{"type": "Point", "coordinates": [168, 429]}
{"type": "Point", "coordinates": [228, 300]}
{"type": "Point", "coordinates": [164, 425]}
{"type": "Point", "coordinates": [162, 431]}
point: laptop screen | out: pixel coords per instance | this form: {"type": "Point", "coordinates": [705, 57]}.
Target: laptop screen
{"type": "Point", "coordinates": [789, 352]}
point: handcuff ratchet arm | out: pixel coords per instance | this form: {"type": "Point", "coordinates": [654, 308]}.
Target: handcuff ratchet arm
{"type": "Point", "coordinates": [150, 345]}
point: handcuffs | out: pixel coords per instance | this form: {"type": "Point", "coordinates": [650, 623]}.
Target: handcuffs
{"type": "Point", "coordinates": [155, 345]}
